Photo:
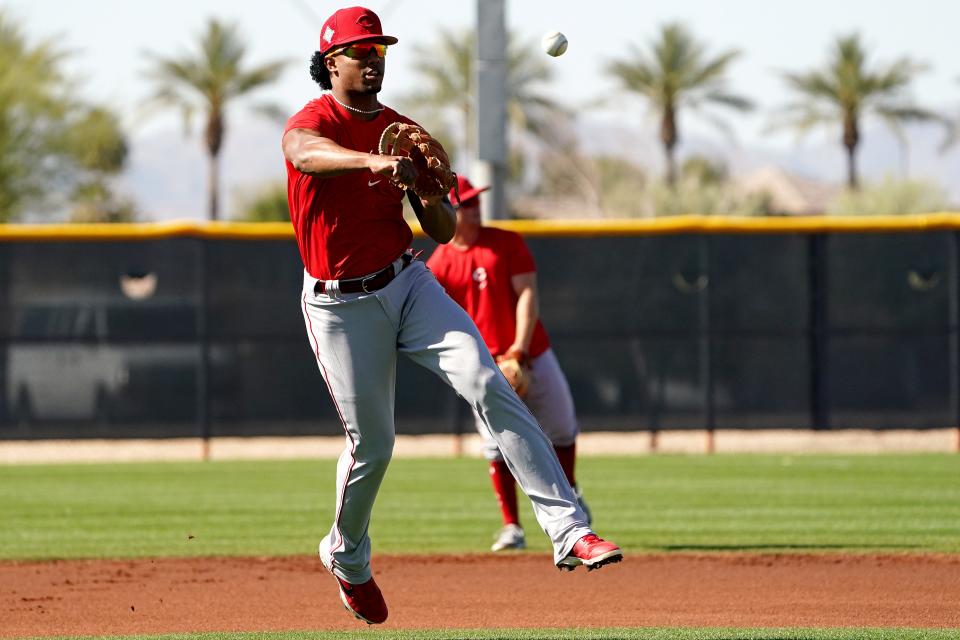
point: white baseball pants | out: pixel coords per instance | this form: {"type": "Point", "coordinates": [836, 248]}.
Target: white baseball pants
{"type": "Point", "coordinates": [355, 339]}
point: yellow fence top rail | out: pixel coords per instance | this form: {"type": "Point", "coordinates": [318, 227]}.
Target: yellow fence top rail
{"type": "Point", "coordinates": [552, 228]}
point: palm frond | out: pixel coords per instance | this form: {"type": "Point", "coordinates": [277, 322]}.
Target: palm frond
{"type": "Point", "coordinates": [445, 87]}
{"type": "Point", "coordinates": [813, 84]}
{"type": "Point", "coordinates": [803, 118]}
{"type": "Point", "coordinates": [720, 124]}
{"type": "Point", "coordinates": [640, 79]}
{"type": "Point", "coordinates": [212, 76]}
{"type": "Point", "coordinates": [908, 113]}
{"type": "Point", "coordinates": [713, 70]}
{"type": "Point", "coordinates": [850, 86]}
{"type": "Point", "coordinates": [732, 101]}
{"type": "Point", "coordinates": [447, 69]}
{"type": "Point", "coordinates": [677, 53]}
{"type": "Point", "coordinates": [678, 73]}
{"type": "Point", "coordinates": [270, 111]}
{"type": "Point", "coordinates": [892, 79]}
{"type": "Point", "coordinates": [247, 81]}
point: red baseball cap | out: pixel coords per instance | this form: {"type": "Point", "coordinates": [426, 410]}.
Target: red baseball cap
{"type": "Point", "coordinates": [467, 191]}
{"type": "Point", "coordinates": [352, 24]}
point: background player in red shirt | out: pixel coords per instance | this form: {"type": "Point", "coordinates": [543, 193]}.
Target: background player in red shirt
{"type": "Point", "coordinates": [366, 300]}
{"type": "Point", "coordinates": [491, 274]}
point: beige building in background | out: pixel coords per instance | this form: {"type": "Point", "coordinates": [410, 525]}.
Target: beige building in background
{"type": "Point", "coordinates": [789, 193]}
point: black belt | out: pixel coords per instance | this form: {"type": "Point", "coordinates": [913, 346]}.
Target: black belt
{"type": "Point", "coordinates": [370, 283]}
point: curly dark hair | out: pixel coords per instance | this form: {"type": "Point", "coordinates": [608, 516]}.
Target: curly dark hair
{"type": "Point", "coordinates": [319, 72]}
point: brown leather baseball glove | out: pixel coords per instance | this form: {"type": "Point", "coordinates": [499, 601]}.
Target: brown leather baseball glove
{"type": "Point", "coordinates": [434, 177]}
{"type": "Point", "coordinates": [515, 368]}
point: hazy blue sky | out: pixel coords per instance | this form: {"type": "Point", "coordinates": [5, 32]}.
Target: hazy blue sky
{"type": "Point", "coordinates": [108, 38]}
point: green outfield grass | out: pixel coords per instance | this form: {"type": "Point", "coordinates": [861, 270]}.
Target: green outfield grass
{"type": "Point", "coordinates": [580, 634]}
{"type": "Point", "coordinates": [646, 503]}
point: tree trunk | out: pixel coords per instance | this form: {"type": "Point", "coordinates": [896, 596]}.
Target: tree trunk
{"type": "Point", "coordinates": [214, 139]}
{"type": "Point", "coordinates": [853, 181]}
{"type": "Point", "coordinates": [851, 138]}
{"type": "Point", "coordinates": [213, 186]}
{"type": "Point", "coordinates": [668, 137]}
{"type": "Point", "coordinates": [671, 166]}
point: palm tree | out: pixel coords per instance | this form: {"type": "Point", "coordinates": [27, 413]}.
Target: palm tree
{"type": "Point", "coordinates": [846, 89]}
{"type": "Point", "coordinates": [676, 74]}
{"type": "Point", "coordinates": [447, 68]}
{"type": "Point", "coordinates": [33, 103]}
{"type": "Point", "coordinates": [953, 132]}
{"type": "Point", "coordinates": [46, 127]}
{"type": "Point", "coordinates": [209, 80]}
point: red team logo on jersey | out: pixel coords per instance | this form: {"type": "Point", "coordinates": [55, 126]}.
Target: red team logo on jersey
{"type": "Point", "coordinates": [480, 277]}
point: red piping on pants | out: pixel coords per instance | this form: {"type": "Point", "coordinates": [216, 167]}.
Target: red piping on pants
{"type": "Point", "coordinates": [353, 445]}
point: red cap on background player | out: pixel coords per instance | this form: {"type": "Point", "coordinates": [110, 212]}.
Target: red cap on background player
{"type": "Point", "coordinates": [349, 25]}
{"type": "Point", "coordinates": [467, 191]}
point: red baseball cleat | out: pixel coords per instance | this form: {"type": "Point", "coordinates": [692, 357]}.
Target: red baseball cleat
{"type": "Point", "coordinates": [592, 552]}
{"type": "Point", "coordinates": [363, 600]}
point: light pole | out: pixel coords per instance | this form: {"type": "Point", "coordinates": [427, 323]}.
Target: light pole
{"type": "Point", "coordinates": [491, 107]}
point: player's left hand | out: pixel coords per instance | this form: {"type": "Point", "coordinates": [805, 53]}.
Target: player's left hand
{"type": "Point", "coordinates": [518, 353]}
{"type": "Point", "coordinates": [515, 365]}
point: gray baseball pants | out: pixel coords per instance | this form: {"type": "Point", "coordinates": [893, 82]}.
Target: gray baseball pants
{"type": "Point", "coordinates": [355, 339]}
{"type": "Point", "coordinates": [551, 402]}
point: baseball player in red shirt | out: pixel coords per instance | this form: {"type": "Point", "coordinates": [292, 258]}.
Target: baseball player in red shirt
{"type": "Point", "coordinates": [366, 299]}
{"type": "Point", "coordinates": [491, 274]}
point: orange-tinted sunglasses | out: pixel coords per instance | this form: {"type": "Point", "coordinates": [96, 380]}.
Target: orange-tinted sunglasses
{"type": "Point", "coordinates": [361, 50]}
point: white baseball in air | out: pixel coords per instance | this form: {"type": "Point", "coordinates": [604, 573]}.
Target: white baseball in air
{"type": "Point", "coordinates": [554, 43]}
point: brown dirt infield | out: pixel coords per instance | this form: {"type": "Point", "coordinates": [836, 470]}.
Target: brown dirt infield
{"type": "Point", "coordinates": [147, 596]}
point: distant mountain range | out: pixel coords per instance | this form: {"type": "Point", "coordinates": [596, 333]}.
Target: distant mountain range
{"type": "Point", "coordinates": [167, 171]}
{"type": "Point", "coordinates": [880, 155]}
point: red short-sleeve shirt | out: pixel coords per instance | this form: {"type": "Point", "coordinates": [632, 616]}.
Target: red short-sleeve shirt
{"type": "Point", "coordinates": [479, 279]}
{"type": "Point", "coordinates": [350, 225]}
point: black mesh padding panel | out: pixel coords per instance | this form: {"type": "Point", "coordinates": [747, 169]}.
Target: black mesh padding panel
{"type": "Point", "coordinates": [759, 285]}
{"type": "Point", "coordinates": [891, 381]}
{"type": "Point", "coordinates": [620, 286]}
{"type": "Point", "coordinates": [653, 382]}
{"type": "Point", "coordinates": [267, 386]}
{"type": "Point", "coordinates": [761, 382]}
{"type": "Point", "coordinates": [889, 282]}
{"type": "Point", "coordinates": [191, 336]}
{"type": "Point", "coordinates": [253, 289]}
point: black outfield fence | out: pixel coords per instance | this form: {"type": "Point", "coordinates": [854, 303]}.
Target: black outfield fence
{"type": "Point", "coordinates": [686, 323]}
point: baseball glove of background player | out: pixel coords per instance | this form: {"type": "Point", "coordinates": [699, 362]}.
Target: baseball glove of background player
{"type": "Point", "coordinates": [434, 177]}
{"type": "Point", "coordinates": [515, 368]}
